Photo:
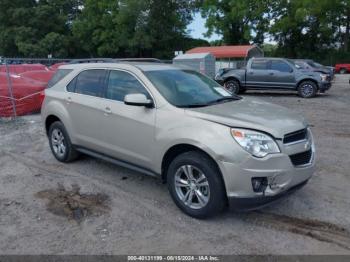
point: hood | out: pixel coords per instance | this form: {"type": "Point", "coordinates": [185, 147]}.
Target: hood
{"type": "Point", "coordinates": [314, 72]}
{"type": "Point", "coordinates": [252, 114]}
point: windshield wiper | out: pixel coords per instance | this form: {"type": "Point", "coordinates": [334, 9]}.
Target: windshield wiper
{"type": "Point", "coordinates": [225, 99]}
{"type": "Point", "coordinates": [193, 105]}
{"type": "Point", "coordinates": [217, 101]}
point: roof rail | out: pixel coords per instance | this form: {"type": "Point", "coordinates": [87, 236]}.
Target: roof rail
{"type": "Point", "coordinates": [92, 60]}
{"type": "Point", "coordinates": [114, 60]}
{"type": "Point", "coordinates": [148, 60]}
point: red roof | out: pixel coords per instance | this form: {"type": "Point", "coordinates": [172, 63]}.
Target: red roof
{"type": "Point", "coordinates": [224, 51]}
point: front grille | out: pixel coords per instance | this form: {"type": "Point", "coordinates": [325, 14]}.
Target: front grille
{"type": "Point", "coordinates": [301, 158]}
{"type": "Point", "coordinates": [295, 136]}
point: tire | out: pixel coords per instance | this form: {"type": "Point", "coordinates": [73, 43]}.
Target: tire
{"type": "Point", "coordinates": [232, 86]}
{"type": "Point", "coordinates": [343, 71]}
{"type": "Point", "coordinates": [60, 144]}
{"type": "Point", "coordinates": [242, 90]}
{"type": "Point", "coordinates": [208, 196]}
{"type": "Point", "coordinates": [307, 89]}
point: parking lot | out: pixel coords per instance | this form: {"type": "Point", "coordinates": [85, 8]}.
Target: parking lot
{"type": "Point", "coordinates": [123, 212]}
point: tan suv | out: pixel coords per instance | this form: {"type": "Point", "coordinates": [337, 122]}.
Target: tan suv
{"type": "Point", "coordinates": [211, 148]}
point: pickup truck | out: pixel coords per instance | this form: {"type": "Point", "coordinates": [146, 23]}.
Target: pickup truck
{"type": "Point", "coordinates": [274, 74]}
{"type": "Point", "coordinates": [342, 68]}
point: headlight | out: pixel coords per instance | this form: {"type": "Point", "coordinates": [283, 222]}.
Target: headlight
{"type": "Point", "coordinates": [256, 143]}
{"type": "Point", "coordinates": [323, 77]}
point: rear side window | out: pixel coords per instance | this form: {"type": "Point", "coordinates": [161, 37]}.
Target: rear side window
{"type": "Point", "coordinates": [121, 83]}
{"type": "Point", "coordinates": [58, 76]}
{"type": "Point", "coordinates": [89, 82]}
{"type": "Point", "coordinates": [281, 66]}
{"type": "Point", "coordinates": [259, 64]}
{"type": "Point", "coordinates": [71, 85]}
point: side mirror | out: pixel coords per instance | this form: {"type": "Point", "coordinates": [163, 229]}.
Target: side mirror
{"type": "Point", "coordinates": [138, 100]}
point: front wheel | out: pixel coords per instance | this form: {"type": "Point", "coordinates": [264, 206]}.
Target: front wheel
{"type": "Point", "coordinates": [195, 185]}
{"type": "Point", "coordinates": [307, 89]}
{"type": "Point", "coordinates": [232, 86]}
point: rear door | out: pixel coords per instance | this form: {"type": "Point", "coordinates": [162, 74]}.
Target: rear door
{"type": "Point", "coordinates": [257, 73]}
{"type": "Point", "coordinates": [84, 103]}
{"type": "Point", "coordinates": [128, 130]}
{"type": "Point", "coordinates": [281, 74]}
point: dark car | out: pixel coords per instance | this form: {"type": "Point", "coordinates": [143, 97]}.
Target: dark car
{"type": "Point", "coordinates": [309, 64]}
{"type": "Point", "coordinates": [273, 73]}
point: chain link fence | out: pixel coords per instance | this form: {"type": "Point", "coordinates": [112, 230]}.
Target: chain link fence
{"type": "Point", "coordinates": [22, 84]}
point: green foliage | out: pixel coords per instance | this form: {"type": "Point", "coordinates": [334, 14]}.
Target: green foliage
{"type": "Point", "coordinates": [133, 27]}
{"type": "Point", "coordinates": [109, 28]}
{"type": "Point", "coordinates": [314, 29]}
{"type": "Point", "coordinates": [235, 20]}
{"type": "Point", "coordinates": [318, 29]}
{"type": "Point", "coordinates": [35, 28]}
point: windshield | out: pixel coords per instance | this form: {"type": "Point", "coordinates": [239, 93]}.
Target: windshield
{"type": "Point", "coordinates": [318, 65]}
{"type": "Point", "coordinates": [295, 63]}
{"type": "Point", "coordinates": [188, 88]}
{"type": "Point", "coordinates": [311, 63]}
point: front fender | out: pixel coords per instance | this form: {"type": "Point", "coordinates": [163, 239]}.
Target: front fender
{"type": "Point", "coordinates": [212, 138]}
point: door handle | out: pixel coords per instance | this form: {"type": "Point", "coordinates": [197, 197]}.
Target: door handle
{"type": "Point", "coordinates": [251, 73]}
{"type": "Point", "coordinates": [271, 73]}
{"type": "Point", "coordinates": [107, 110]}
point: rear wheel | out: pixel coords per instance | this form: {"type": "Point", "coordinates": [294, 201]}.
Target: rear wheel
{"type": "Point", "coordinates": [195, 185]}
{"type": "Point", "coordinates": [343, 71]}
{"type": "Point", "coordinates": [232, 86]}
{"type": "Point", "coordinates": [60, 143]}
{"type": "Point", "coordinates": [307, 89]}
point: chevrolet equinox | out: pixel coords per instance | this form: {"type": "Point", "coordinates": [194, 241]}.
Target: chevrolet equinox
{"type": "Point", "coordinates": [212, 148]}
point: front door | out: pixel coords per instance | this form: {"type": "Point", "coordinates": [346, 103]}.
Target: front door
{"type": "Point", "coordinates": [128, 130]}
{"type": "Point", "coordinates": [281, 74]}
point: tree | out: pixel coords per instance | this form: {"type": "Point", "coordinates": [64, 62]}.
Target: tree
{"type": "Point", "coordinates": [344, 20]}
{"type": "Point", "coordinates": [95, 29]}
{"type": "Point", "coordinates": [238, 21]}
{"type": "Point", "coordinates": [132, 27]}
{"type": "Point", "coordinates": [34, 28]}
{"type": "Point", "coordinates": [13, 13]}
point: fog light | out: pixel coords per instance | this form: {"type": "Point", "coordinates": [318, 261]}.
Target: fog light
{"type": "Point", "coordinates": [259, 184]}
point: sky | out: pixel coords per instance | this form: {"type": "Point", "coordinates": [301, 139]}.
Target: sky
{"type": "Point", "coordinates": [197, 29]}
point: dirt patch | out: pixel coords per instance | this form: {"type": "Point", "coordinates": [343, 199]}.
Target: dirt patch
{"type": "Point", "coordinates": [72, 204]}
{"type": "Point", "coordinates": [320, 230]}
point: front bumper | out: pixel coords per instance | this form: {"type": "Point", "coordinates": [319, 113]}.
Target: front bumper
{"type": "Point", "coordinates": [324, 86]}
{"type": "Point", "coordinates": [251, 203]}
{"type": "Point", "coordinates": [278, 170]}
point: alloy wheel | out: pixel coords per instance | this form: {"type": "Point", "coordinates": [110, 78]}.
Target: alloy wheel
{"type": "Point", "coordinates": [231, 87]}
{"type": "Point", "coordinates": [192, 186]}
{"type": "Point", "coordinates": [58, 143]}
{"type": "Point", "coordinates": [307, 90]}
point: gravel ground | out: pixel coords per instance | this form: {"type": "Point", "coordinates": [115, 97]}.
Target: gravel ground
{"type": "Point", "coordinates": [123, 212]}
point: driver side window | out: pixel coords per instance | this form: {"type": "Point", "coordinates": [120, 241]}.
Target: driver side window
{"type": "Point", "coordinates": [280, 66]}
{"type": "Point", "coordinates": [121, 83]}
